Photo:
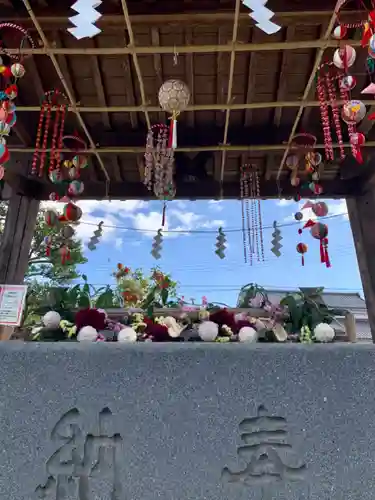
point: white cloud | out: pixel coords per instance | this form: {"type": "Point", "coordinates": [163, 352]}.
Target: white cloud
{"type": "Point", "coordinates": [118, 243]}
{"type": "Point", "coordinates": [283, 202]}
{"type": "Point", "coordinates": [216, 205]}
{"type": "Point", "coordinates": [117, 208]}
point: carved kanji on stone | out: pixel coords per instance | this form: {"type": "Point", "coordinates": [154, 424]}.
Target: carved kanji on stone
{"type": "Point", "coordinates": [82, 457]}
{"type": "Point", "coordinates": [266, 452]}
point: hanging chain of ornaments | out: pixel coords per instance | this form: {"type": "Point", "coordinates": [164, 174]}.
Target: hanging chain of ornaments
{"type": "Point", "coordinates": [276, 240]}
{"type": "Point", "coordinates": [94, 240]}
{"type": "Point", "coordinates": [304, 163]}
{"type": "Point", "coordinates": [66, 180]}
{"type": "Point", "coordinates": [220, 244]}
{"type": "Point", "coordinates": [157, 245]}
{"type": "Point", "coordinates": [174, 98]}
{"type": "Point", "coordinates": [63, 241]}
{"type": "Point", "coordinates": [318, 230]}
{"type": "Point", "coordinates": [51, 118]}
{"type": "Point", "coordinates": [159, 161]}
{"type": "Point", "coordinates": [252, 227]}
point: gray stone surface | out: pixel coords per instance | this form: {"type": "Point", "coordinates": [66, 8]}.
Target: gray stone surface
{"type": "Point", "coordinates": [178, 412]}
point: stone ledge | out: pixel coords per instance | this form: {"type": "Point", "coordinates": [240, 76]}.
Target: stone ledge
{"type": "Point", "coordinates": [169, 419]}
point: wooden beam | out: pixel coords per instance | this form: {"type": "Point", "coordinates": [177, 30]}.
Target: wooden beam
{"type": "Point", "coordinates": [189, 71]}
{"type": "Point", "coordinates": [283, 81]}
{"type": "Point", "coordinates": [183, 49]}
{"type": "Point", "coordinates": [158, 67]}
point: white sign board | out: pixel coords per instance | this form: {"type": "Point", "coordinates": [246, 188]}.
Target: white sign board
{"type": "Point", "coordinates": [12, 303]}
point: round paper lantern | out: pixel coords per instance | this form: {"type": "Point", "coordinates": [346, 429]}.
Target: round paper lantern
{"type": "Point", "coordinates": [353, 112]}
{"type": "Point", "coordinates": [72, 213]}
{"type": "Point", "coordinates": [50, 218]}
{"type": "Point", "coordinates": [319, 231]}
{"type": "Point", "coordinates": [17, 70]}
{"type": "Point", "coordinates": [174, 96]}
{"type": "Point", "coordinates": [4, 153]}
{"type": "Point", "coordinates": [339, 32]}
{"type": "Point", "coordinates": [292, 161]}
{"type": "Point", "coordinates": [75, 188]}
{"type": "Point", "coordinates": [357, 139]}
{"type": "Point", "coordinates": [347, 82]}
{"type": "Point", "coordinates": [346, 54]}
{"type": "Point", "coordinates": [320, 209]}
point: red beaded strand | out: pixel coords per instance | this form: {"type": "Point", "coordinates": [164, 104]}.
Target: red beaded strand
{"type": "Point", "coordinates": [53, 141]}
{"type": "Point", "coordinates": [335, 112]}
{"type": "Point", "coordinates": [45, 140]}
{"type": "Point", "coordinates": [324, 113]}
{"type": "Point", "coordinates": [38, 139]}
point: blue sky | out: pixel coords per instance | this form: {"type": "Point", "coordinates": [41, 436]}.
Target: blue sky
{"type": "Point", "coordinates": [190, 258]}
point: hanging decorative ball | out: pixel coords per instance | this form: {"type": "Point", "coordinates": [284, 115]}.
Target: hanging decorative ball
{"type": "Point", "coordinates": [371, 47]}
{"type": "Point", "coordinates": [302, 249]}
{"type": "Point", "coordinates": [298, 216]}
{"type": "Point", "coordinates": [73, 172]}
{"type": "Point", "coordinates": [54, 176]}
{"type": "Point", "coordinates": [12, 92]}
{"type": "Point", "coordinates": [292, 161]}
{"type": "Point", "coordinates": [295, 181]}
{"type": "Point", "coordinates": [344, 57]}
{"type": "Point", "coordinates": [12, 118]}
{"type": "Point", "coordinates": [72, 213]}
{"type": "Point", "coordinates": [4, 153]}
{"type": "Point", "coordinates": [18, 71]}
{"type": "Point", "coordinates": [353, 112]}
{"type": "Point", "coordinates": [319, 231]}
{"type": "Point", "coordinates": [315, 188]}
{"type": "Point", "coordinates": [4, 111]}
{"type": "Point", "coordinates": [54, 197]}
{"type": "Point", "coordinates": [75, 188]}
{"type": "Point", "coordinates": [315, 176]}
{"type": "Point", "coordinates": [67, 232]}
{"type": "Point", "coordinates": [4, 128]}
{"type": "Point", "coordinates": [357, 139]}
{"type": "Point", "coordinates": [174, 96]}
{"type": "Point", "coordinates": [297, 197]}
{"type": "Point", "coordinates": [347, 82]}
{"type": "Point", "coordinates": [315, 159]}
{"type": "Point", "coordinates": [320, 209]}
{"type": "Point", "coordinates": [339, 32]}
{"type": "Point", "coordinates": [80, 161]}
{"type": "Point", "coordinates": [67, 164]}
{"type": "Point", "coordinates": [50, 218]}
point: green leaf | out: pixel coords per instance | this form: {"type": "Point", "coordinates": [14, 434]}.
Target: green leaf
{"type": "Point", "coordinates": [84, 277]}
{"type": "Point", "coordinates": [164, 296]}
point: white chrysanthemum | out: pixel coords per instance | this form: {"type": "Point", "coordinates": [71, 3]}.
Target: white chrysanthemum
{"type": "Point", "coordinates": [51, 319]}
{"type": "Point", "coordinates": [247, 334]}
{"type": "Point", "coordinates": [127, 334]}
{"type": "Point", "coordinates": [208, 331]}
{"type": "Point", "coordinates": [87, 334]}
{"type": "Point", "coordinates": [324, 333]}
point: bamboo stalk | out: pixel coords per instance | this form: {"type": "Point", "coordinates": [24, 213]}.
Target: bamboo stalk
{"type": "Point", "coordinates": [317, 62]}
{"type": "Point", "coordinates": [188, 149]}
{"type": "Point", "coordinates": [194, 107]}
{"type": "Point", "coordinates": [230, 88]}
{"type": "Point", "coordinates": [184, 49]}
{"type": "Point", "coordinates": [66, 87]}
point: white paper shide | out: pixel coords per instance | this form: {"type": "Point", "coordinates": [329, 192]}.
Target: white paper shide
{"type": "Point", "coordinates": [85, 20]}
{"type": "Point", "coordinates": [262, 16]}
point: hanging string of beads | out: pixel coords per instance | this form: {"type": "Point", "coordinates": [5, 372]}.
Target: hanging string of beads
{"type": "Point", "coordinates": [54, 101]}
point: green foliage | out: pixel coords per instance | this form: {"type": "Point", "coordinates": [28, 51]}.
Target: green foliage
{"type": "Point", "coordinates": [252, 294]}
{"type": "Point", "coordinates": [306, 309]}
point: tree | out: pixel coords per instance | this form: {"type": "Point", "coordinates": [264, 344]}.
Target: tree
{"type": "Point", "coordinates": [48, 269]}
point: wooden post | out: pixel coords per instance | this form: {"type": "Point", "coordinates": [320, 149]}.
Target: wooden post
{"type": "Point", "coordinates": [350, 327]}
{"type": "Point", "coordinates": [362, 220]}
{"type": "Point", "coordinates": [15, 244]}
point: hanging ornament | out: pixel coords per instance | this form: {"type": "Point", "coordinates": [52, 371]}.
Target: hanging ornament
{"type": "Point", "coordinates": [157, 245]}
{"type": "Point", "coordinates": [71, 213]}
{"type": "Point", "coordinates": [319, 231]}
{"type": "Point", "coordinates": [85, 19]}
{"type": "Point", "coordinates": [262, 16]}
{"type": "Point", "coordinates": [371, 47]}
{"type": "Point", "coordinates": [347, 82]}
{"type": "Point", "coordinates": [344, 57]}
{"type": "Point", "coordinates": [52, 116]}
{"type": "Point", "coordinates": [64, 252]}
{"type": "Point", "coordinates": [302, 249]}
{"type": "Point", "coordinates": [339, 32]}
{"type": "Point", "coordinates": [174, 97]}
{"type": "Point", "coordinates": [252, 227]}
{"type": "Point", "coordinates": [353, 112]}
{"type": "Point", "coordinates": [94, 240]}
{"type": "Point", "coordinates": [276, 240]}
{"type": "Point", "coordinates": [220, 244]}
{"type": "Point", "coordinates": [298, 216]}
{"type": "Point", "coordinates": [75, 188]}
{"type": "Point", "coordinates": [19, 36]}
{"type": "Point", "coordinates": [51, 218]}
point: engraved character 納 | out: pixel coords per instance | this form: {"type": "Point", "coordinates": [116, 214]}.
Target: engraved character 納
{"type": "Point", "coordinates": [266, 452]}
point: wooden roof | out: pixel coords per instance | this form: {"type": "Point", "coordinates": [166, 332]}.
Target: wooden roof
{"type": "Point", "coordinates": [250, 91]}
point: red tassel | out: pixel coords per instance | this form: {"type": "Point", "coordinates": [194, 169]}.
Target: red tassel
{"type": "Point", "coordinates": [303, 260]}
{"type": "Point", "coordinates": [48, 251]}
{"type": "Point", "coordinates": [327, 261]}
{"type": "Point", "coordinates": [322, 253]}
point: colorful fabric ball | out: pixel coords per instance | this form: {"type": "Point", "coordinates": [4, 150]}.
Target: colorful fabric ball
{"type": "Point", "coordinates": [353, 112]}
{"type": "Point", "coordinates": [4, 153]}
{"type": "Point", "coordinates": [54, 176]}
{"type": "Point", "coordinates": [302, 248]}
{"type": "Point", "coordinates": [345, 54]}
{"type": "Point", "coordinates": [347, 82]}
{"type": "Point", "coordinates": [73, 172]}
{"type": "Point", "coordinates": [12, 119]}
{"type": "Point", "coordinates": [357, 139]}
{"type": "Point", "coordinates": [320, 209]}
{"type": "Point", "coordinates": [319, 231]}
{"type": "Point", "coordinates": [50, 217]}
{"type": "Point", "coordinates": [80, 161]}
{"type": "Point", "coordinates": [315, 159]}
{"type": "Point", "coordinates": [75, 188]}
{"type": "Point", "coordinates": [339, 32]}
{"type": "Point", "coordinates": [4, 111]}
{"type": "Point", "coordinates": [4, 128]}
{"type": "Point", "coordinates": [53, 196]}
{"type": "Point", "coordinates": [298, 216]}
{"type": "Point", "coordinates": [72, 213]}
{"type": "Point", "coordinates": [315, 188]}
{"type": "Point", "coordinates": [17, 70]}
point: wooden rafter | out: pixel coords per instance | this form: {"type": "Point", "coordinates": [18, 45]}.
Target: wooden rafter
{"type": "Point", "coordinates": [310, 83]}
{"type": "Point", "coordinates": [66, 88]}
{"type": "Point", "coordinates": [184, 49]}
{"type": "Point", "coordinates": [230, 88]}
